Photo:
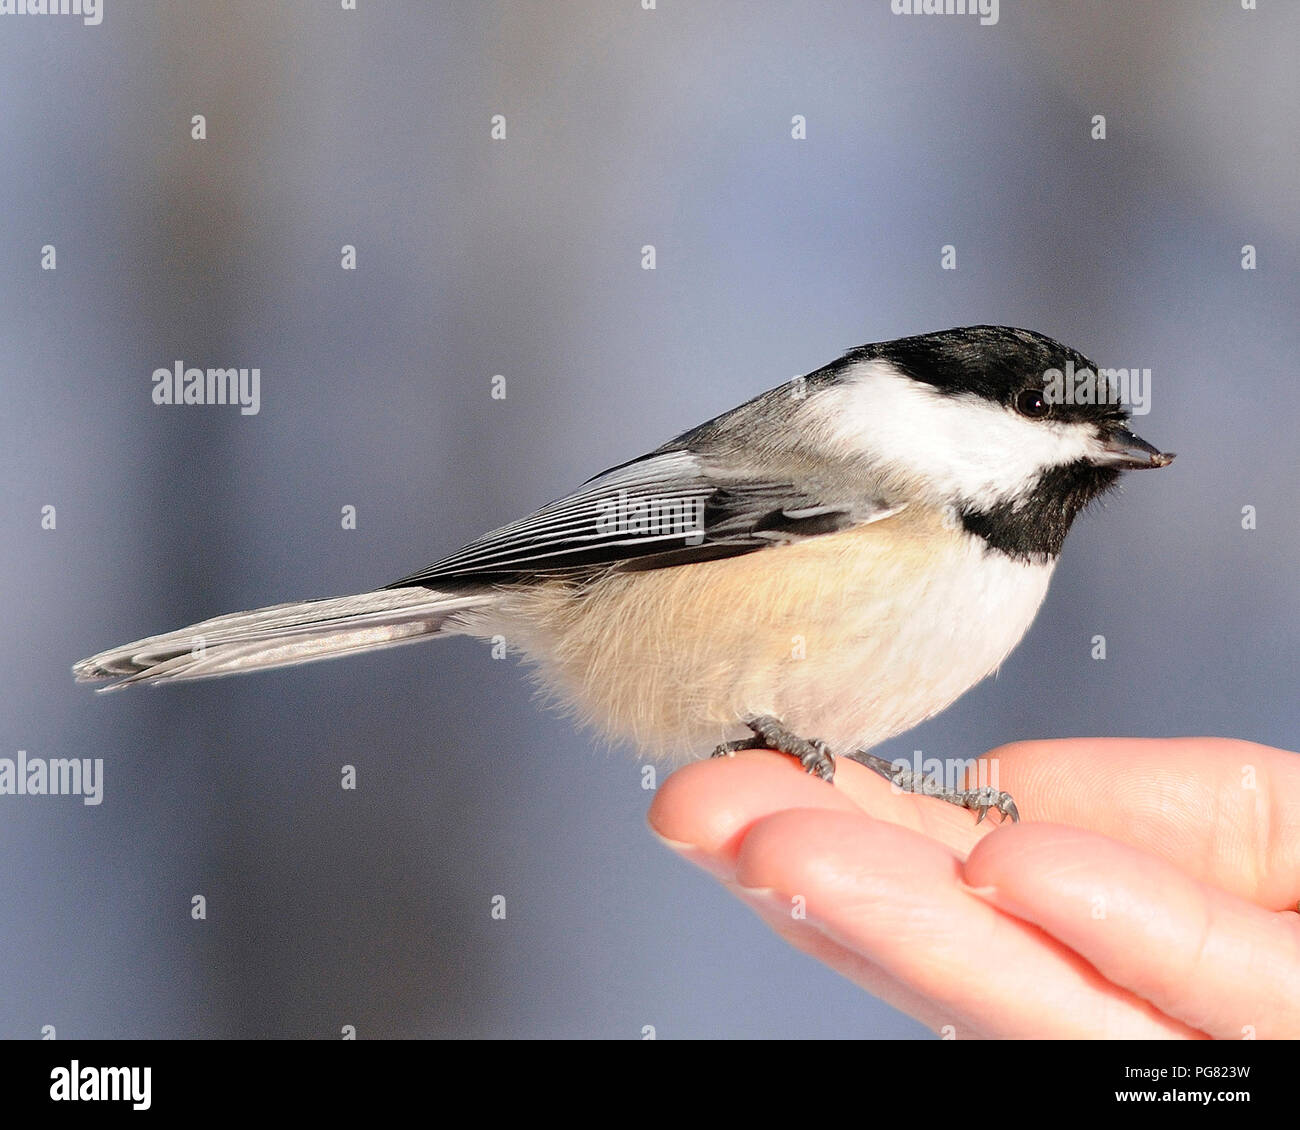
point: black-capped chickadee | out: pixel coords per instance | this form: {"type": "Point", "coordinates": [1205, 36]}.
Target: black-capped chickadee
{"type": "Point", "coordinates": [821, 568]}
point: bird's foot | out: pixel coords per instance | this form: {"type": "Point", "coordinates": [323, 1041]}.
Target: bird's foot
{"type": "Point", "coordinates": [979, 801]}
{"type": "Point", "coordinates": [813, 755]}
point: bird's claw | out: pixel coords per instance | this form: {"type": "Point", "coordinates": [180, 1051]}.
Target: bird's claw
{"type": "Point", "coordinates": [981, 801]}
{"type": "Point", "coordinates": [817, 760]}
{"type": "Point", "coordinates": [815, 756]}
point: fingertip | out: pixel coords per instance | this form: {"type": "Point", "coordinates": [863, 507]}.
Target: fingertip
{"type": "Point", "coordinates": [1015, 846]}
{"type": "Point", "coordinates": [780, 852]}
{"type": "Point", "coordinates": [814, 850]}
{"type": "Point", "coordinates": [708, 805]}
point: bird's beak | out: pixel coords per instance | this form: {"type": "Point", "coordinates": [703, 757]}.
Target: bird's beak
{"type": "Point", "coordinates": [1132, 453]}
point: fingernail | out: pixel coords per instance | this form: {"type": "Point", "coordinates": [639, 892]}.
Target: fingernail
{"type": "Point", "coordinates": [994, 897]}
{"type": "Point", "coordinates": [676, 845]}
{"type": "Point", "coordinates": [768, 900]}
{"type": "Point", "coordinates": [693, 853]}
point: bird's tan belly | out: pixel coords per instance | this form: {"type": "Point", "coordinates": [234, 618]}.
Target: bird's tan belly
{"type": "Point", "coordinates": [849, 637]}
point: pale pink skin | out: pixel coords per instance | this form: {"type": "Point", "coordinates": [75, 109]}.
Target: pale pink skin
{"type": "Point", "coordinates": [1148, 891]}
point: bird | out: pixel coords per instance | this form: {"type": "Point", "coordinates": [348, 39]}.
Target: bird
{"type": "Point", "coordinates": [814, 571]}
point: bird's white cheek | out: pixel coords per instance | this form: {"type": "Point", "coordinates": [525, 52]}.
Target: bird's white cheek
{"type": "Point", "coordinates": [961, 447]}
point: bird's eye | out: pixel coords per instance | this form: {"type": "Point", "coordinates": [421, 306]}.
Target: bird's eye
{"type": "Point", "coordinates": [1032, 402]}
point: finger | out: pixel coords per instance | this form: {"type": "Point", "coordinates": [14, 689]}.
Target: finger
{"type": "Point", "coordinates": [1226, 812]}
{"type": "Point", "coordinates": [806, 937]}
{"type": "Point", "coordinates": [1209, 958]}
{"type": "Point", "coordinates": [706, 807]}
{"type": "Point", "coordinates": [896, 898]}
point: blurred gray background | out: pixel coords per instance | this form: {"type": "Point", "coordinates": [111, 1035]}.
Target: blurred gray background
{"type": "Point", "coordinates": [521, 257]}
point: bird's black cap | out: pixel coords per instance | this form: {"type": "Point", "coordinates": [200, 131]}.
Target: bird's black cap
{"type": "Point", "coordinates": [995, 362]}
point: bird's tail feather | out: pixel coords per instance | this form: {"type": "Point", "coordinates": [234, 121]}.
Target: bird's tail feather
{"type": "Point", "coordinates": [280, 635]}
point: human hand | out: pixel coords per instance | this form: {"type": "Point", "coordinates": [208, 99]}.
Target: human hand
{"type": "Point", "coordinates": [1150, 891]}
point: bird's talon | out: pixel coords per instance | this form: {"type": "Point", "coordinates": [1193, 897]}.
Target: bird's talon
{"type": "Point", "coordinates": [814, 756]}
{"type": "Point", "coordinates": [817, 760]}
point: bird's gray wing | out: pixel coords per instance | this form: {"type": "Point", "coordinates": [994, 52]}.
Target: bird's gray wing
{"type": "Point", "coordinates": [667, 508]}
